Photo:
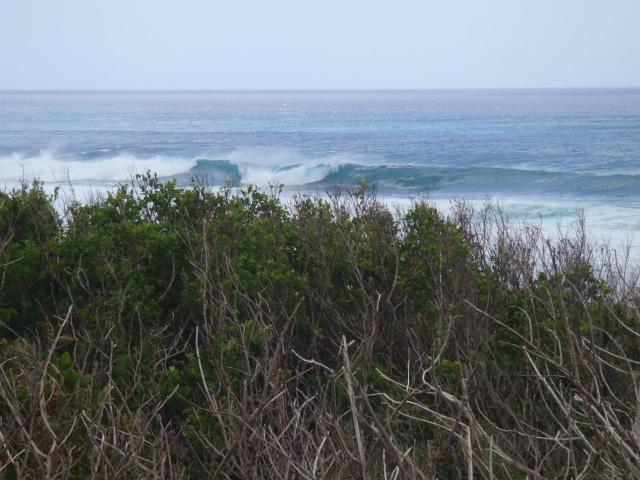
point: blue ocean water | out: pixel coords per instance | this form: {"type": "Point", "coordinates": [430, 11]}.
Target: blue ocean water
{"type": "Point", "coordinates": [540, 152]}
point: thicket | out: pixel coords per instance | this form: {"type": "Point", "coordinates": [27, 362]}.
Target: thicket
{"type": "Point", "coordinates": [166, 332]}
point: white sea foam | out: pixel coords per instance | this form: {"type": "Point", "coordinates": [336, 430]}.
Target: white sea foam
{"type": "Point", "coordinates": [273, 157]}
{"type": "Point", "coordinates": [49, 167]}
{"type": "Point", "coordinates": [297, 175]}
{"type": "Point", "coordinates": [257, 166]}
{"type": "Point", "coordinates": [606, 223]}
{"type": "Point", "coordinates": [261, 166]}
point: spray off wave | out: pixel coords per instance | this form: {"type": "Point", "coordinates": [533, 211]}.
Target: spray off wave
{"type": "Point", "coordinates": [51, 167]}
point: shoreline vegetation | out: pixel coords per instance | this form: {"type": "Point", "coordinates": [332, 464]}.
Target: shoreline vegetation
{"type": "Point", "coordinates": [166, 332]}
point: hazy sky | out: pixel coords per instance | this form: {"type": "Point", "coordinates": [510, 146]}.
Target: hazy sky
{"type": "Point", "coordinates": [322, 44]}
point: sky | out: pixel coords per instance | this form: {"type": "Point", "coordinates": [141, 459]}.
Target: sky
{"type": "Point", "coordinates": [322, 44]}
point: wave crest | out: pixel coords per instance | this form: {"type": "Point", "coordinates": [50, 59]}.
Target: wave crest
{"type": "Point", "coordinates": [50, 167]}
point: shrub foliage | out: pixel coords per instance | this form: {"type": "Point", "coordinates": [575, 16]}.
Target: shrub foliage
{"type": "Point", "coordinates": [168, 332]}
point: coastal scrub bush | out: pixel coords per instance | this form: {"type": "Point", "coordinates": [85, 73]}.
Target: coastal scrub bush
{"type": "Point", "coordinates": [29, 229]}
{"type": "Point", "coordinates": [162, 331]}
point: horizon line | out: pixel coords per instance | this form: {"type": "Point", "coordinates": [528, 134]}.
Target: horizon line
{"type": "Point", "coordinates": [301, 90]}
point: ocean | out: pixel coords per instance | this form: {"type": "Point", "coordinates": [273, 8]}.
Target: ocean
{"type": "Point", "coordinates": [541, 154]}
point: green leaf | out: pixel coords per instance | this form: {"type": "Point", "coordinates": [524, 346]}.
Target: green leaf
{"type": "Point", "coordinates": [85, 380]}
{"type": "Point", "coordinates": [65, 340]}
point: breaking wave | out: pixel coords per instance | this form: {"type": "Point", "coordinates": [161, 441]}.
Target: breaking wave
{"type": "Point", "coordinates": [253, 166]}
{"type": "Point", "coordinates": [88, 166]}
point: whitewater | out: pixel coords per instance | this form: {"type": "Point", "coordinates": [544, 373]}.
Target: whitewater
{"type": "Point", "coordinates": [539, 153]}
